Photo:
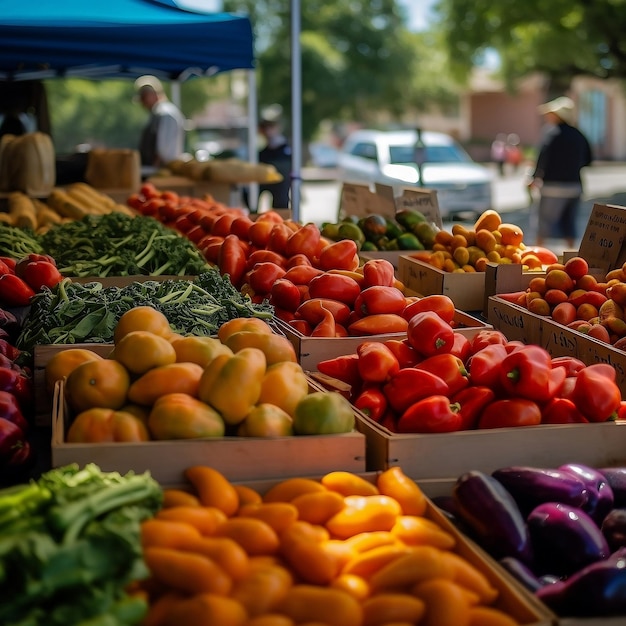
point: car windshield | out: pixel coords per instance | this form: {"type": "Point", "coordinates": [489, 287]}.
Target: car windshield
{"type": "Point", "coordinates": [434, 154]}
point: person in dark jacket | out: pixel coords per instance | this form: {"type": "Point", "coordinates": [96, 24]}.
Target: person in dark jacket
{"type": "Point", "coordinates": [277, 152]}
{"type": "Point", "coordinates": [564, 152]}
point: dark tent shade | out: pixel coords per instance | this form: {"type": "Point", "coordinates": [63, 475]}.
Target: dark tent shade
{"type": "Point", "coordinates": [118, 38]}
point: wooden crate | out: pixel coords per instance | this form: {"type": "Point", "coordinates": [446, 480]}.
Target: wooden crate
{"type": "Point", "coordinates": [238, 458]}
{"type": "Point", "coordinates": [513, 598]}
{"type": "Point", "coordinates": [445, 455]}
{"type": "Point", "coordinates": [311, 350]}
{"type": "Point", "coordinates": [41, 356]}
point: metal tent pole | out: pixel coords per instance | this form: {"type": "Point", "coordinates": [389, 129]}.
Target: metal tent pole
{"type": "Point", "coordinates": [296, 110]}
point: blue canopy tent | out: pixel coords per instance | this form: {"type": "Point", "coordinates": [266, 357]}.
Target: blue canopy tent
{"type": "Point", "coordinates": [119, 38]}
{"type": "Point", "coordinates": [108, 39]}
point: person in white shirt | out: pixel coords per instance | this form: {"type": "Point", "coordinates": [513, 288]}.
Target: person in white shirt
{"type": "Point", "coordinates": [163, 137]}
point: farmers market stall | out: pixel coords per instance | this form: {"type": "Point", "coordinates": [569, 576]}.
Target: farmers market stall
{"type": "Point", "coordinates": [277, 353]}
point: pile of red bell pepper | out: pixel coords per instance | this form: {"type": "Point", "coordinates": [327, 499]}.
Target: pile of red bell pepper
{"type": "Point", "coordinates": [437, 381]}
{"type": "Point", "coordinates": [16, 408]}
{"type": "Point", "coordinates": [21, 279]}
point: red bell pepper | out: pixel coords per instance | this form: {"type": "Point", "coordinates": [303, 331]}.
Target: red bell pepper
{"type": "Point", "coordinates": [302, 326]}
{"type": "Point", "coordinates": [410, 385]}
{"type": "Point", "coordinates": [484, 337]}
{"type": "Point", "coordinates": [263, 275]}
{"type": "Point", "coordinates": [335, 287]}
{"type": "Point", "coordinates": [344, 368]}
{"type": "Point", "coordinates": [438, 303]}
{"type": "Point", "coordinates": [32, 258]}
{"type": "Point", "coordinates": [4, 268]}
{"type": "Point", "coordinates": [461, 347]}
{"type": "Point", "coordinates": [312, 310]}
{"type": "Point", "coordinates": [14, 291]}
{"type": "Point", "coordinates": [39, 274]}
{"type": "Point", "coordinates": [449, 368]}
{"type": "Point", "coordinates": [484, 365]}
{"type": "Point", "coordinates": [378, 272]}
{"type": "Point", "coordinates": [472, 401]}
{"type": "Point", "coordinates": [429, 334]}
{"type": "Point", "coordinates": [339, 255]}
{"type": "Point", "coordinates": [435, 414]}
{"type": "Point", "coordinates": [528, 373]}
{"type": "Point", "coordinates": [571, 364]}
{"type": "Point", "coordinates": [603, 369]}
{"type": "Point", "coordinates": [407, 355]}
{"type": "Point", "coordinates": [231, 260]}
{"type": "Point", "coordinates": [265, 256]}
{"type": "Point", "coordinates": [326, 327]}
{"type": "Point", "coordinates": [379, 299]}
{"type": "Point", "coordinates": [305, 241]}
{"type": "Point", "coordinates": [377, 363]}
{"type": "Point", "coordinates": [562, 411]}
{"type": "Point", "coordinates": [378, 324]}
{"type": "Point", "coordinates": [10, 262]}
{"type": "Point", "coordinates": [596, 396]}
{"type": "Point", "coordinates": [285, 295]}
{"type": "Point", "coordinates": [373, 402]}
{"type": "Point", "coordinates": [510, 413]}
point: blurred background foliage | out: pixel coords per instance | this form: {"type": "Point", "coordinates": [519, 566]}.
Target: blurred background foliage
{"type": "Point", "coordinates": [361, 63]}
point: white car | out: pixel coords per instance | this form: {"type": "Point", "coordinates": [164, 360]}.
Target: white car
{"type": "Point", "coordinates": [392, 158]}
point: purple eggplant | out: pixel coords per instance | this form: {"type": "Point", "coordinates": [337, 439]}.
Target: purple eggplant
{"type": "Point", "coordinates": [565, 539]}
{"type": "Point", "coordinates": [599, 493]}
{"type": "Point", "coordinates": [532, 486]}
{"type": "Point", "coordinates": [493, 516]}
{"type": "Point", "coordinates": [616, 477]}
{"type": "Point", "coordinates": [614, 528]}
{"type": "Point", "coordinates": [598, 590]}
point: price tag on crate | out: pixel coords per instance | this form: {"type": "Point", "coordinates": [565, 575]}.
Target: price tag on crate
{"type": "Point", "coordinates": [602, 244]}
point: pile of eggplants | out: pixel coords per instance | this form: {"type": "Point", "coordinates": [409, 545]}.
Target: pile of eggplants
{"type": "Point", "coordinates": [561, 532]}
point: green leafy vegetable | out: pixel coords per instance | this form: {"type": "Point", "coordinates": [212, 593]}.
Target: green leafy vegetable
{"type": "Point", "coordinates": [73, 547]}
{"type": "Point", "coordinates": [74, 313]}
{"type": "Point", "coordinates": [116, 244]}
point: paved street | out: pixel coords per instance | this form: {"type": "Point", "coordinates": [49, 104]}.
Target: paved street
{"type": "Point", "coordinates": [605, 183]}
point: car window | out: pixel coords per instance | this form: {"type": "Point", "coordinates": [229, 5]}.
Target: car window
{"type": "Point", "coordinates": [434, 154]}
{"type": "Point", "coordinates": [365, 150]}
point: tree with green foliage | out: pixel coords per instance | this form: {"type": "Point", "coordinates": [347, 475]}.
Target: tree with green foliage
{"type": "Point", "coordinates": [561, 38]}
{"type": "Point", "coordinates": [358, 61]}
{"type": "Point", "coordinates": [359, 64]}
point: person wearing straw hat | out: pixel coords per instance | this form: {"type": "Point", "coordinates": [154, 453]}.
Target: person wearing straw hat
{"type": "Point", "coordinates": [163, 137]}
{"type": "Point", "coordinates": [564, 152]}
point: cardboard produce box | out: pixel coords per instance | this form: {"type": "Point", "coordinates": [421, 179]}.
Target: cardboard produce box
{"type": "Point", "coordinates": [468, 290]}
{"type": "Point", "coordinates": [238, 458]}
{"type": "Point", "coordinates": [436, 456]}
{"type": "Point", "coordinates": [516, 322]}
{"type": "Point", "coordinates": [311, 350]}
{"type": "Point", "coordinates": [513, 599]}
